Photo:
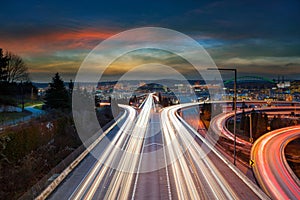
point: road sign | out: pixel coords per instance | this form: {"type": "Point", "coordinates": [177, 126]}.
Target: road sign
{"type": "Point", "coordinates": [251, 162]}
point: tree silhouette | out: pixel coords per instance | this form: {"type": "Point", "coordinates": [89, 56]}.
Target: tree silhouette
{"type": "Point", "coordinates": [57, 96]}
{"type": "Point", "coordinates": [3, 65]}
{"type": "Point", "coordinates": [71, 86]}
{"type": "Point", "coordinates": [16, 69]}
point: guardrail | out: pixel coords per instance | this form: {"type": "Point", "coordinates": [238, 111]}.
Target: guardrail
{"type": "Point", "coordinates": [43, 188]}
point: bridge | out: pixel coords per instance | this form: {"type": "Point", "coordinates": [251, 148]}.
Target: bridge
{"type": "Point", "coordinates": [250, 79]}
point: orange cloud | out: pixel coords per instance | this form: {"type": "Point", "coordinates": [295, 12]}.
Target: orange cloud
{"type": "Point", "coordinates": [54, 41]}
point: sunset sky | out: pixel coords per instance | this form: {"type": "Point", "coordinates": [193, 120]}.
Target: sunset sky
{"type": "Point", "coordinates": [256, 37]}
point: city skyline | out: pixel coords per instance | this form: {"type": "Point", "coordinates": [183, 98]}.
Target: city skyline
{"type": "Point", "coordinates": [258, 38]}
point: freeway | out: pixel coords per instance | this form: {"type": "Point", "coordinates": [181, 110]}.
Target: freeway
{"type": "Point", "coordinates": [156, 156]}
{"type": "Point", "coordinates": [121, 183]}
{"type": "Point", "coordinates": [270, 166]}
{"type": "Point", "coordinates": [84, 174]}
{"type": "Point", "coordinates": [200, 174]}
{"type": "Point", "coordinates": [153, 179]}
{"type": "Point", "coordinates": [111, 174]}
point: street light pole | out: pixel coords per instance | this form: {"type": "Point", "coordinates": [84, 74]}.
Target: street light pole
{"type": "Point", "coordinates": [234, 106]}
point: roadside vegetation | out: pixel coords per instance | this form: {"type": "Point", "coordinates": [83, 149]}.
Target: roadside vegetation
{"type": "Point", "coordinates": [16, 89]}
{"type": "Point", "coordinates": [30, 151]}
{"type": "Point", "coordinates": [10, 116]}
{"type": "Point", "coordinates": [39, 106]}
{"type": "Point", "coordinates": [30, 102]}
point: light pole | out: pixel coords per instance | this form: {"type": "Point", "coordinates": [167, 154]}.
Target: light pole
{"type": "Point", "coordinates": [234, 102]}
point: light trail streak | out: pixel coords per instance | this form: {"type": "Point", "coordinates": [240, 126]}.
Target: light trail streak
{"type": "Point", "coordinates": [217, 184]}
{"type": "Point", "coordinates": [94, 177]}
{"type": "Point", "coordinates": [270, 166]}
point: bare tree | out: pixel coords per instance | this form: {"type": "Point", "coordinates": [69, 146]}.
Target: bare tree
{"type": "Point", "coordinates": [16, 68]}
{"type": "Point", "coordinates": [3, 64]}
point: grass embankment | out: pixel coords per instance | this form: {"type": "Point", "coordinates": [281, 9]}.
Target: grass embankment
{"type": "Point", "coordinates": [10, 116]}
{"type": "Point", "coordinates": [30, 151]}
{"type": "Point", "coordinates": [38, 106]}
{"type": "Point", "coordinates": [29, 102]}
{"type": "Point", "coordinates": [17, 101]}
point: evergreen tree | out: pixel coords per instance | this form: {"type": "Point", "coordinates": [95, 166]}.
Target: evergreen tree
{"type": "Point", "coordinates": [71, 87]}
{"type": "Point", "coordinates": [57, 96]}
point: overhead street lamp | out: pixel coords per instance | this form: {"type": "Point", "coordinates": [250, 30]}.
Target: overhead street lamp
{"type": "Point", "coordinates": [234, 102]}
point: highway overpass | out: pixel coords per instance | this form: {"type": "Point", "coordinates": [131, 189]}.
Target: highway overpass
{"type": "Point", "coordinates": [270, 165]}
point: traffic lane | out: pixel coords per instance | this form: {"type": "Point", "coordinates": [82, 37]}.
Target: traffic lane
{"type": "Point", "coordinates": [92, 180]}
{"type": "Point", "coordinates": [67, 187]}
{"type": "Point", "coordinates": [241, 189]}
{"type": "Point", "coordinates": [203, 179]}
{"type": "Point", "coordinates": [244, 186]}
{"type": "Point", "coordinates": [192, 179]}
{"type": "Point", "coordinates": [280, 164]}
{"type": "Point", "coordinates": [230, 179]}
{"type": "Point", "coordinates": [103, 178]}
{"type": "Point", "coordinates": [185, 178]}
{"type": "Point", "coordinates": [213, 182]}
{"type": "Point", "coordinates": [75, 178]}
{"type": "Point", "coordinates": [270, 165]}
{"type": "Point", "coordinates": [122, 183]}
{"type": "Point", "coordinates": [149, 183]}
{"type": "Point", "coordinates": [217, 125]}
{"type": "Point", "coordinates": [191, 116]}
{"type": "Point", "coordinates": [106, 178]}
